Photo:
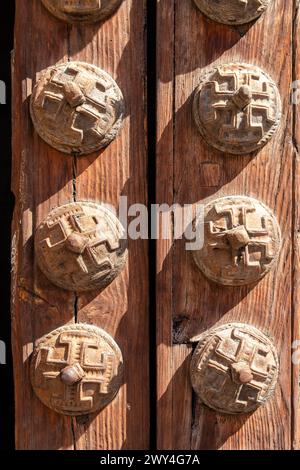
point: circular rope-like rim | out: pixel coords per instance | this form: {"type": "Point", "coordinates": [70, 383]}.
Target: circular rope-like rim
{"type": "Point", "coordinates": [204, 77]}
{"type": "Point", "coordinates": [50, 139]}
{"type": "Point", "coordinates": [204, 340]}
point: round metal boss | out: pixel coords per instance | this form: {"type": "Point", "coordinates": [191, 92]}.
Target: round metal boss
{"type": "Point", "coordinates": [237, 108]}
{"type": "Point", "coordinates": [76, 108]}
{"type": "Point", "coordinates": [79, 246]}
{"type": "Point", "coordinates": [76, 369]}
{"type": "Point", "coordinates": [242, 240]}
{"type": "Point", "coordinates": [234, 368]}
{"type": "Point", "coordinates": [82, 11]}
{"type": "Point", "coordinates": [233, 12]}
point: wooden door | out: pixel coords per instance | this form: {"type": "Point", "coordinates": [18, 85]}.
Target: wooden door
{"type": "Point", "coordinates": [186, 171]}
{"type": "Point", "coordinates": [44, 178]}
{"type": "Point", "coordinates": [189, 171]}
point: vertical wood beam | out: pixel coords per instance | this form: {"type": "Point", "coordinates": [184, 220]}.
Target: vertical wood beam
{"type": "Point", "coordinates": [189, 172]}
{"type": "Point", "coordinates": [44, 178]}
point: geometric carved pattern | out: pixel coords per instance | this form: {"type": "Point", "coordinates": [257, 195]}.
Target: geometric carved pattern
{"type": "Point", "coordinates": [79, 247]}
{"type": "Point", "coordinates": [76, 108]}
{"type": "Point", "coordinates": [242, 240]}
{"type": "Point", "coordinates": [233, 12]}
{"type": "Point", "coordinates": [82, 11]}
{"type": "Point", "coordinates": [234, 368]}
{"type": "Point", "coordinates": [76, 347]}
{"type": "Point", "coordinates": [237, 108]}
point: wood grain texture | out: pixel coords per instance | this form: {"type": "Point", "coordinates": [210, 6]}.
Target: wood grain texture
{"type": "Point", "coordinates": [44, 178]}
{"type": "Point", "coordinates": [188, 172]}
{"type": "Point", "coordinates": [122, 309]}
{"type": "Point", "coordinates": [296, 233]}
{"type": "Point", "coordinates": [164, 259]}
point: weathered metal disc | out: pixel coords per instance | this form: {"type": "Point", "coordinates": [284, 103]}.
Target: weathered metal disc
{"type": "Point", "coordinates": [242, 240]}
{"type": "Point", "coordinates": [79, 247]}
{"type": "Point", "coordinates": [76, 369]}
{"type": "Point", "coordinates": [77, 108]}
{"type": "Point", "coordinates": [237, 108]}
{"type": "Point", "coordinates": [234, 368]}
{"type": "Point", "coordinates": [82, 11]}
{"type": "Point", "coordinates": [233, 12]}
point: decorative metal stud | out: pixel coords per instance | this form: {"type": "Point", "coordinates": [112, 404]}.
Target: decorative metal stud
{"type": "Point", "coordinates": [77, 108]}
{"type": "Point", "coordinates": [237, 108]}
{"type": "Point", "coordinates": [242, 240]}
{"type": "Point", "coordinates": [82, 11]}
{"type": "Point", "coordinates": [235, 368]}
{"type": "Point", "coordinates": [79, 247]}
{"type": "Point", "coordinates": [233, 12]}
{"type": "Point", "coordinates": [76, 369]}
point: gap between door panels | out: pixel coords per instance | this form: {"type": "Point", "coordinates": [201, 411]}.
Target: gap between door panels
{"type": "Point", "coordinates": [151, 93]}
{"type": "Point", "coordinates": [7, 202]}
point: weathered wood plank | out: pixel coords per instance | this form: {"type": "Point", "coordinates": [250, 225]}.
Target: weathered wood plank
{"type": "Point", "coordinates": [197, 172]}
{"type": "Point", "coordinates": [42, 179]}
{"type": "Point", "coordinates": [296, 234]}
{"type": "Point", "coordinates": [164, 190]}
{"type": "Point", "coordinates": [122, 309]}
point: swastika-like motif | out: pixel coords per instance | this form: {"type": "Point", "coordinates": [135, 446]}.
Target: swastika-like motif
{"type": "Point", "coordinates": [237, 108]}
{"type": "Point", "coordinates": [76, 369]}
{"type": "Point", "coordinates": [79, 246]}
{"type": "Point", "coordinates": [242, 240]}
{"type": "Point", "coordinates": [82, 11]}
{"type": "Point", "coordinates": [76, 108]}
{"type": "Point", "coordinates": [233, 12]}
{"type": "Point", "coordinates": [234, 368]}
